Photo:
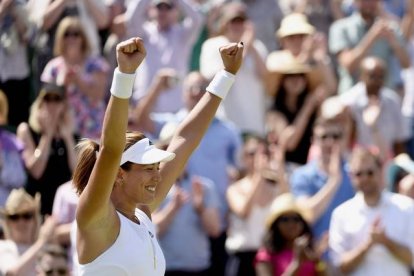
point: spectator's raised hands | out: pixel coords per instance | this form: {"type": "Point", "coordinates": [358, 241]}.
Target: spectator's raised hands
{"type": "Point", "coordinates": [232, 56]}
{"type": "Point", "coordinates": [197, 191]}
{"type": "Point", "coordinates": [129, 54]}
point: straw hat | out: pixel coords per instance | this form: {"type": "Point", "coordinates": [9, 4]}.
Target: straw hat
{"type": "Point", "coordinates": [284, 203]}
{"type": "Point", "coordinates": [19, 201]}
{"type": "Point", "coordinates": [295, 24]}
{"type": "Point", "coordinates": [284, 62]}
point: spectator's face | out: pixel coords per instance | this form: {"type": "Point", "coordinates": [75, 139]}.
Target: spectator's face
{"type": "Point", "coordinates": [373, 78]}
{"type": "Point", "coordinates": [21, 226]}
{"type": "Point", "coordinates": [366, 176]}
{"type": "Point", "coordinates": [165, 15]}
{"type": "Point", "coordinates": [73, 40]}
{"type": "Point", "coordinates": [290, 225]}
{"type": "Point", "coordinates": [52, 266]}
{"type": "Point", "coordinates": [294, 84]}
{"type": "Point", "coordinates": [194, 88]}
{"type": "Point", "coordinates": [327, 136]}
{"type": "Point", "coordinates": [236, 25]}
{"type": "Point", "coordinates": [368, 8]}
{"type": "Point", "coordinates": [293, 43]}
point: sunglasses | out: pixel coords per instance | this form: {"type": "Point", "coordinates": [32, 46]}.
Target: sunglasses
{"type": "Point", "coordinates": [368, 173]}
{"type": "Point", "coordinates": [164, 7]}
{"type": "Point", "coordinates": [56, 271]}
{"type": "Point", "coordinates": [238, 20]}
{"type": "Point", "coordinates": [286, 219]}
{"type": "Point", "coordinates": [52, 98]}
{"type": "Point", "coordinates": [72, 34]}
{"type": "Point", "coordinates": [334, 136]}
{"type": "Point", "coordinates": [24, 216]}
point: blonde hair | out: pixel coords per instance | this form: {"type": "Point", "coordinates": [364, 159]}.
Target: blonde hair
{"type": "Point", "coordinates": [34, 111]}
{"type": "Point", "coordinates": [4, 108]}
{"type": "Point", "coordinates": [70, 22]}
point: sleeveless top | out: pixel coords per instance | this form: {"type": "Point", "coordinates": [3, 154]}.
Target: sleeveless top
{"type": "Point", "coordinates": [56, 173]}
{"type": "Point", "coordinates": [247, 234]}
{"type": "Point", "coordinates": [135, 252]}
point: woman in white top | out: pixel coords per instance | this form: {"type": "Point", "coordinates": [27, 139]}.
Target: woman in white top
{"type": "Point", "coordinates": [249, 201]}
{"type": "Point", "coordinates": [121, 182]}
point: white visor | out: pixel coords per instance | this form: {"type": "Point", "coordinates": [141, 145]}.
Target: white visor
{"type": "Point", "coordinates": [142, 152]}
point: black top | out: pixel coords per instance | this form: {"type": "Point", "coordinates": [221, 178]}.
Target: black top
{"type": "Point", "coordinates": [57, 172]}
{"type": "Point", "coordinates": [300, 154]}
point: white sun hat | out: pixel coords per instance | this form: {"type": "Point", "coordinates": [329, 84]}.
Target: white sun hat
{"type": "Point", "coordinates": [144, 153]}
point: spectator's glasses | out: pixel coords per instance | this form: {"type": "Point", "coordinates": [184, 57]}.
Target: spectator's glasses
{"type": "Point", "coordinates": [52, 98]}
{"type": "Point", "coordinates": [293, 218]}
{"type": "Point", "coordinates": [238, 20]}
{"type": "Point", "coordinates": [24, 216]}
{"type": "Point", "coordinates": [334, 136]}
{"type": "Point", "coordinates": [56, 271]}
{"type": "Point", "coordinates": [164, 7]}
{"type": "Point", "coordinates": [369, 173]}
{"type": "Point", "coordinates": [71, 34]}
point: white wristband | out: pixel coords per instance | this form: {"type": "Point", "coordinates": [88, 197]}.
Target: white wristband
{"type": "Point", "coordinates": [221, 83]}
{"type": "Point", "coordinates": [122, 84]}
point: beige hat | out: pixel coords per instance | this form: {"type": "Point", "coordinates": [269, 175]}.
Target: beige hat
{"type": "Point", "coordinates": [19, 201]}
{"type": "Point", "coordinates": [284, 203]}
{"type": "Point", "coordinates": [284, 62]}
{"type": "Point", "coordinates": [294, 24]}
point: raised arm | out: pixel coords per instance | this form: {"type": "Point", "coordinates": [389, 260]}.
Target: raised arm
{"type": "Point", "coordinates": [94, 203]}
{"type": "Point", "coordinates": [192, 129]}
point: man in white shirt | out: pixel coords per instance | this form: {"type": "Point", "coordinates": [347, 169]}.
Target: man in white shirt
{"type": "Point", "coordinates": [372, 233]}
{"type": "Point", "coordinates": [377, 110]}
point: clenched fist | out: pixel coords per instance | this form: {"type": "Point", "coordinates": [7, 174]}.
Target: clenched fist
{"type": "Point", "coordinates": [232, 56]}
{"type": "Point", "coordinates": [129, 54]}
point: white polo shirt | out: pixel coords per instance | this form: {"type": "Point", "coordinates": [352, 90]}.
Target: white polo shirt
{"type": "Point", "coordinates": [351, 224]}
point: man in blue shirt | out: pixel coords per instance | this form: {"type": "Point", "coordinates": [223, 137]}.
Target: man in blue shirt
{"type": "Point", "coordinates": [323, 183]}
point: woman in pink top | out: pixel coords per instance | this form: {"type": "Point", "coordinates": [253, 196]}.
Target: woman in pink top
{"type": "Point", "coordinates": [288, 245]}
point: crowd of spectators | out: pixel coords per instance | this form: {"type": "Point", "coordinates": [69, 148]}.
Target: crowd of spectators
{"type": "Point", "coordinates": [307, 168]}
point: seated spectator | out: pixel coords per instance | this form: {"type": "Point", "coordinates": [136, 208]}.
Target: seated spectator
{"type": "Point", "coordinates": [246, 104]}
{"type": "Point", "coordinates": [249, 200]}
{"type": "Point", "coordinates": [288, 247]}
{"type": "Point", "coordinates": [83, 76]}
{"type": "Point", "coordinates": [49, 144]}
{"type": "Point", "coordinates": [52, 261]}
{"type": "Point", "coordinates": [300, 39]}
{"type": "Point", "coordinates": [12, 170]}
{"type": "Point", "coordinates": [24, 237]}
{"type": "Point", "coordinates": [376, 110]}
{"type": "Point", "coordinates": [295, 103]}
{"type": "Point", "coordinates": [323, 183]}
{"type": "Point", "coordinates": [367, 33]}
{"type": "Point", "coordinates": [369, 233]}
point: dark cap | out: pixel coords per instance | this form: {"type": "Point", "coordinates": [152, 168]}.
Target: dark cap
{"type": "Point", "coordinates": [52, 88]}
{"type": "Point", "coordinates": [166, 2]}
